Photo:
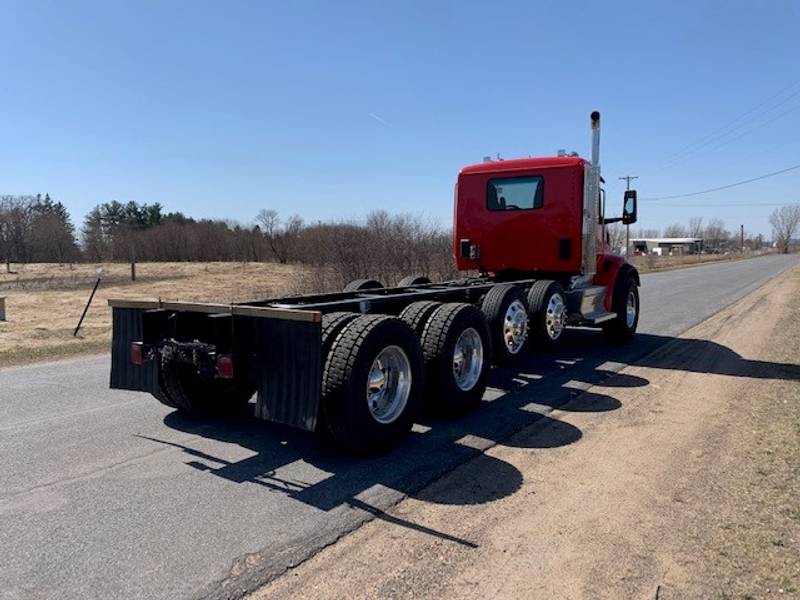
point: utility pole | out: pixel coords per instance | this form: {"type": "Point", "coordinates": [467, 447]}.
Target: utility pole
{"type": "Point", "coordinates": [742, 239]}
{"type": "Point", "coordinates": [627, 179]}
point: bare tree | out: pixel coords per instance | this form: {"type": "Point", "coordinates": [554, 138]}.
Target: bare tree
{"type": "Point", "coordinates": [696, 227]}
{"type": "Point", "coordinates": [716, 236]}
{"type": "Point", "coordinates": [615, 233]}
{"type": "Point", "coordinates": [785, 222]}
{"type": "Point", "coordinates": [675, 230]}
{"type": "Point", "coordinates": [646, 233]}
{"type": "Point", "coordinates": [282, 237]}
{"type": "Point", "coordinates": [33, 228]}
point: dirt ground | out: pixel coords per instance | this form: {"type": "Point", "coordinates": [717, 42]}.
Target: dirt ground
{"type": "Point", "coordinates": [690, 489]}
{"type": "Point", "coordinates": [45, 301]}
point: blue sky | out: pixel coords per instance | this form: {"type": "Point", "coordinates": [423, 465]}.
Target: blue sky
{"type": "Point", "coordinates": [331, 109]}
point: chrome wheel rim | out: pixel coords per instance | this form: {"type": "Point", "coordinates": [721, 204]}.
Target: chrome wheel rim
{"type": "Point", "coordinates": [631, 309]}
{"type": "Point", "coordinates": [388, 384]}
{"type": "Point", "coordinates": [515, 326]}
{"type": "Point", "coordinates": [467, 359]}
{"type": "Point", "coordinates": [555, 317]}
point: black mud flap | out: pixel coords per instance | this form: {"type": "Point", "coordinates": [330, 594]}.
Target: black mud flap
{"type": "Point", "coordinates": [288, 371]}
{"type": "Point", "coordinates": [127, 328]}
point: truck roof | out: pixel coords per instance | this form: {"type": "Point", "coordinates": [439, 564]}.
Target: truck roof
{"type": "Point", "coordinates": [518, 164]}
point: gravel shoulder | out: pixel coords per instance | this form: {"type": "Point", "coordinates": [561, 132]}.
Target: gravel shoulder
{"type": "Point", "coordinates": [685, 483]}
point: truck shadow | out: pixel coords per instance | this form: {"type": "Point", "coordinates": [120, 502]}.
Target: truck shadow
{"type": "Point", "coordinates": [297, 465]}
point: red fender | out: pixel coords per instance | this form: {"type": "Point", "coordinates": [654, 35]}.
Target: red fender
{"type": "Point", "coordinates": [609, 267]}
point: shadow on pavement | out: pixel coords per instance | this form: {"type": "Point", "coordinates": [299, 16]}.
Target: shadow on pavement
{"type": "Point", "coordinates": [516, 399]}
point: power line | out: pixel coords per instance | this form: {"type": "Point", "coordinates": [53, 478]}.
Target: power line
{"type": "Point", "coordinates": [726, 204]}
{"type": "Point", "coordinates": [732, 125]}
{"type": "Point", "coordinates": [724, 187]}
{"type": "Point", "coordinates": [628, 179]}
{"type": "Point", "coordinates": [752, 129]}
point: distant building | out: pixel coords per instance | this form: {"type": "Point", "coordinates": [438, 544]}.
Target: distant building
{"type": "Point", "coordinates": [667, 246]}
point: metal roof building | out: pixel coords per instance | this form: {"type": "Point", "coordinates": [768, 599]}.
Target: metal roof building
{"type": "Point", "coordinates": [667, 246]}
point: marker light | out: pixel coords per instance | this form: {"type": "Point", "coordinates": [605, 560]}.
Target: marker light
{"type": "Point", "coordinates": [137, 354]}
{"type": "Point", "coordinates": [225, 366]}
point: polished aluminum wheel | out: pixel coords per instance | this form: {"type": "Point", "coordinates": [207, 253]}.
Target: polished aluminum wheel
{"type": "Point", "coordinates": [388, 384]}
{"type": "Point", "coordinates": [515, 326]}
{"type": "Point", "coordinates": [468, 359]}
{"type": "Point", "coordinates": [631, 308]}
{"type": "Point", "coordinates": [556, 317]}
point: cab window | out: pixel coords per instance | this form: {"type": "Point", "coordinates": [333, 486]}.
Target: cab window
{"type": "Point", "coordinates": [515, 193]}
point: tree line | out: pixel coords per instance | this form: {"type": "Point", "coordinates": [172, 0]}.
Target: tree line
{"type": "Point", "coordinates": [36, 229]}
{"type": "Point", "coordinates": [39, 229]}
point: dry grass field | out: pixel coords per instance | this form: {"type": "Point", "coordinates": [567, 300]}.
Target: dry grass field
{"type": "Point", "coordinates": [45, 301]}
{"type": "Point", "coordinates": [664, 263]}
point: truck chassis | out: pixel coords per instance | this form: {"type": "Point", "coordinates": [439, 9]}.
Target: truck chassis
{"type": "Point", "coordinates": [357, 365]}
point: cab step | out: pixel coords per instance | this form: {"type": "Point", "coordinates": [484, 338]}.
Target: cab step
{"type": "Point", "coordinates": [596, 318]}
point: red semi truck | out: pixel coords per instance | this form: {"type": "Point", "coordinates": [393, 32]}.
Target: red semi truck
{"type": "Point", "coordinates": [360, 365]}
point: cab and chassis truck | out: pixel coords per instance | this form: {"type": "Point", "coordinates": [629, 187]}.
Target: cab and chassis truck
{"type": "Point", "coordinates": [358, 366]}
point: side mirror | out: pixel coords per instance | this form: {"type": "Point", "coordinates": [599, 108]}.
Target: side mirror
{"type": "Point", "coordinates": [629, 207]}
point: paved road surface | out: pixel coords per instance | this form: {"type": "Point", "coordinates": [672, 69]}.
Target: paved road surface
{"type": "Point", "coordinates": [108, 494]}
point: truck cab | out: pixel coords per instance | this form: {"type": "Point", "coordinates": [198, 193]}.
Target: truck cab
{"type": "Point", "coordinates": [544, 218]}
{"type": "Point", "coordinates": [520, 215]}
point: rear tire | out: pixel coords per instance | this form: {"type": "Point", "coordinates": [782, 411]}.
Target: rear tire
{"type": "Point", "coordinates": [625, 302]}
{"type": "Point", "coordinates": [417, 314]}
{"type": "Point", "coordinates": [456, 345]}
{"type": "Point", "coordinates": [547, 309]}
{"type": "Point", "coordinates": [188, 392]}
{"type": "Point", "coordinates": [161, 395]}
{"type": "Point", "coordinates": [507, 315]}
{"type": "Point", "coordinates": [332, 325]}
{"type": "Point", "coordinates": [413, 280]}
{"type": "Point", "coordinates": [372, 383]}
{"type": "Point", "coordinates": [359, 285]}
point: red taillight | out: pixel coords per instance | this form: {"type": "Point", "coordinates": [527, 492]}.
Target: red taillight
{"type": "Point", "coordinates": [225, 366]}
{"type": "Point", "coordinates": [137, 354]}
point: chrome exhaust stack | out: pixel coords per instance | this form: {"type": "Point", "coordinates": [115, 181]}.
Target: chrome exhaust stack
{"type": "Point", "coordinates": [591, 201]}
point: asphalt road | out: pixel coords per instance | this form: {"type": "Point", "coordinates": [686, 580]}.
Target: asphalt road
{"type": "Point", "coordinates": [107, 494]}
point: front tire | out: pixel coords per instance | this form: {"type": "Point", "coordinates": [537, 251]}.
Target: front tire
{"type": "Point", "coordinates": [372, 383]}
{"type": "Point", "coordinates": [625, 302]}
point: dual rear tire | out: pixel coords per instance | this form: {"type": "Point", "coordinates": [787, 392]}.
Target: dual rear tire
{"type": "Point", "coordinates": [456, 344]}
{"type": "Point", "coordinates": [547, 309]}
{"type": "Point", "coordinates": [507, 317]}
{"type": "Point", "coordinates": [379, 370]}
{"type": "Point", "coordinates": [518, 320]}
{"type": "Point", "coordinates": [372, 383]}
